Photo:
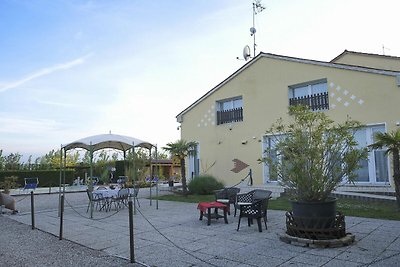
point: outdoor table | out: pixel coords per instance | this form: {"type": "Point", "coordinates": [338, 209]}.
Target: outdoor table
{"type": "Point", "coordinates": [207, 206]}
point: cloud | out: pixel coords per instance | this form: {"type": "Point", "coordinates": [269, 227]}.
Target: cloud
{"type": "Point", "coordinates": [44, 72]}
{"type": "Point", "coordinates": [14, 125]}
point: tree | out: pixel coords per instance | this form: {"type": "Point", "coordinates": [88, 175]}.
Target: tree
{"type": "Point", "coordinates": [391, 142]}
{"type": "Point", "coordinates": [12, 161]}
{"type": "Point", "coordinates": [314, 154]}
{"type": "Point", "coordinates": [1, 160]}
{"type": "Point", "coordinates": [180, 150]}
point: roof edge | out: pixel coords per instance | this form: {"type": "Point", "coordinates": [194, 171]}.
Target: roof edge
{"type": "Point", "coordinates": [361, 53]}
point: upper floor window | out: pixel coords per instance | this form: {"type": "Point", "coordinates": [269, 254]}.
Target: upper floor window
{"type": "Point", "coordinates": [312, 94]}
{"type": "Point", "coordinates": [230, 110]}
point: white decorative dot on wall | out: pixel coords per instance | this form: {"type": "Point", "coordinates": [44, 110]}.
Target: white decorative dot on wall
{"type": "Point", "coordinates": [345, 98]}
{"type": "Point", "coordinates": [198, 125]}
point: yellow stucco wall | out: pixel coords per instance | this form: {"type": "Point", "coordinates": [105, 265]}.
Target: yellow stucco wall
{"type": "Point", "coordinates": [371, 61]}
{"type": "Point", "coordinates": [371, 98]}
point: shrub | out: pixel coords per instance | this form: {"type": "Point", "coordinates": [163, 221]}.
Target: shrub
{"type": "Point", "coordinates": [9, 182]}
{"type": "Point", "coordinates": [204, 185]}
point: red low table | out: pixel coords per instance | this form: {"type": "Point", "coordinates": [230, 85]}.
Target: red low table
{"type": "Point", "coordinates": [205, 209]}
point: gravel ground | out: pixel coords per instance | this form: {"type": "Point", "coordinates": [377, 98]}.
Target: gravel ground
{"type": "Point", "coordinates": [22, 246]}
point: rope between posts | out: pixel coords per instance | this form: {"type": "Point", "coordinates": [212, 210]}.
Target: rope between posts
{"type": "Point", "coordinates": [99, 219]}
{"type": "Point", "coordinates": [19, 200]}
{"type": "Point", "coordinates": [175, 245]}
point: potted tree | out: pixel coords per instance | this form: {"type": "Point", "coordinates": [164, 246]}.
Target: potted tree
{"type": "Point", "coordinates": [311, 156]}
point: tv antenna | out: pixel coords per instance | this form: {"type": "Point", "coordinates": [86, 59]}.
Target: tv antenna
{"type": "Point", "coordinates": [257, 8]}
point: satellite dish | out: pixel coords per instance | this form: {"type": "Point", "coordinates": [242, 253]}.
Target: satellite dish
{"type": "Point", "coordinates": [246, 52]}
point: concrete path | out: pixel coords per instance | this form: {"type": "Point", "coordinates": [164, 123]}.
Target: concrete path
{"type": "Point", "coordinates": [173, 235]}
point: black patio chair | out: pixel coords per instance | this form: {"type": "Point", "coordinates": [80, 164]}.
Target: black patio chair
{"type": "Point", "coordinates": [97, 200]}
{"type": "Point", "coordinates": [227, 196]}
{"type": "Point", "coordinates": [254, 205]}
{"type": "Point", "coordinates": [134, 193]}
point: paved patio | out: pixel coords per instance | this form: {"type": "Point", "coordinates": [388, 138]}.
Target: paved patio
{"type": "Point", "coordinates": [172, 235]}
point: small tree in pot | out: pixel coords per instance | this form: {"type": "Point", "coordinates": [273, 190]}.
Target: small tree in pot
{"type": "Point", "coordinates": [311, 157]}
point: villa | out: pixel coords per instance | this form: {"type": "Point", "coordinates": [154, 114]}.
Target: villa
{"type": "Point", "coordinates": [229, 122]}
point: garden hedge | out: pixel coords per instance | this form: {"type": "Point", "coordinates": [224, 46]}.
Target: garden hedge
{"type": "Point", "coordinates": [47, 178]}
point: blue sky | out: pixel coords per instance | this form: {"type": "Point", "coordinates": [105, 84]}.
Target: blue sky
{"type": "Point", "coordinates": [74, 68]}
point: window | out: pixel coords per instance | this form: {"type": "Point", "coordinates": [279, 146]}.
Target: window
{"type": "Point", "coordinates": [375, 168]}
{"type": "Point", "coordinates": [312, 94]}
{"type": "Point", "coordinates": [230, 110]}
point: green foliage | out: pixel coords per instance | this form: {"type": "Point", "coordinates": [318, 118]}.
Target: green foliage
{"type": "Point", "coordinates": [46, 177]}
{"type": "Point", "coordinates": [9, 182]}
{"type": "Point", "coordinates": [204, 185]}
{"type": "Point", "coordinates": [314, 155]}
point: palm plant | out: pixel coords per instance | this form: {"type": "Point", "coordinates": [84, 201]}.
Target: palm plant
{"type": "Point", "coordinates": [180, 150]}
{"type": "Point", "coordinates": [391, 142]}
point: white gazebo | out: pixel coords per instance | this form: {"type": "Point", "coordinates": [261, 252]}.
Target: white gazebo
{"type": "Point", "coordinates": [98, 142]}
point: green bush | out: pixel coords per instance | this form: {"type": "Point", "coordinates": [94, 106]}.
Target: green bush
{"type": "Point", "coordinates": [204, 185]}
{"type": "Point", "coordinates": [9, 182]}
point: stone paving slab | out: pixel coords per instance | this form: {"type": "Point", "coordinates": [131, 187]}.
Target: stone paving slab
{"type": "Point", "coordinates": [173, 235]}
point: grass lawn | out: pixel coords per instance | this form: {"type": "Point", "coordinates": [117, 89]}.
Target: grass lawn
{"type": "Point", "coordinates": [349, 207]}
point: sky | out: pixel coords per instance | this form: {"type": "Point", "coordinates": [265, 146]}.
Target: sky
{"type": "Point", "coordinates": [75, 68]}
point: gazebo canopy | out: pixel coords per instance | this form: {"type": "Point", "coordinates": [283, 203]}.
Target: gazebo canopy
{"type": "Point", "coordinates": [101, 141]}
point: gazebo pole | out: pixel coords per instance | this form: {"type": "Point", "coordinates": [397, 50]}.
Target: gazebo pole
{"type": "Point", "coordinates": [59, 186]}
{"type": "Point", "coordinates": [157, 179]}
{"type": "Point", "coordinates": [90, 185]}
{"type": "Point", "coordinates": [151, 177]}
{"type": "Point", "coordinates": [133, 178]}
{"type": "Point", "coordinates": [65, 166]}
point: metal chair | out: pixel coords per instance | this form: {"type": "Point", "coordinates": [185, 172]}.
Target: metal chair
{"type": "Point", "coordinates": [134, 194]}
{"type": "Point", "coordinates": [97, 199]}
{"type": "Point", "coordinates": [227, 196]}
{"type": "Point", "coordinates": [253, 205]}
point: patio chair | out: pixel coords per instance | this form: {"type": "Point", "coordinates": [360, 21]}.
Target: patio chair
{"type": "Point", "coordinates": [31, 183]}
{"type": "Point", "coordinates": [134, 193]}
{"type": "Point", "coordinates": [120, 200]}
{"type": "Point", "coordinates": [98, 200]}
{"type": "Point", "coordinates": [227, 196]}
{"type": "Point", "coordinates": [253, 205]}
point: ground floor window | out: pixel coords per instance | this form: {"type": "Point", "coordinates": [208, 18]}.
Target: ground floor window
{"type": "Point", "coordinates": [194, 163]}
{"type": "Point", "coordinates": [373, 170]}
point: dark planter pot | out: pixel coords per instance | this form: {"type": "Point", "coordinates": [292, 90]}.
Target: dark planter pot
{"type": "Point", "coordinates": [315, 215]}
